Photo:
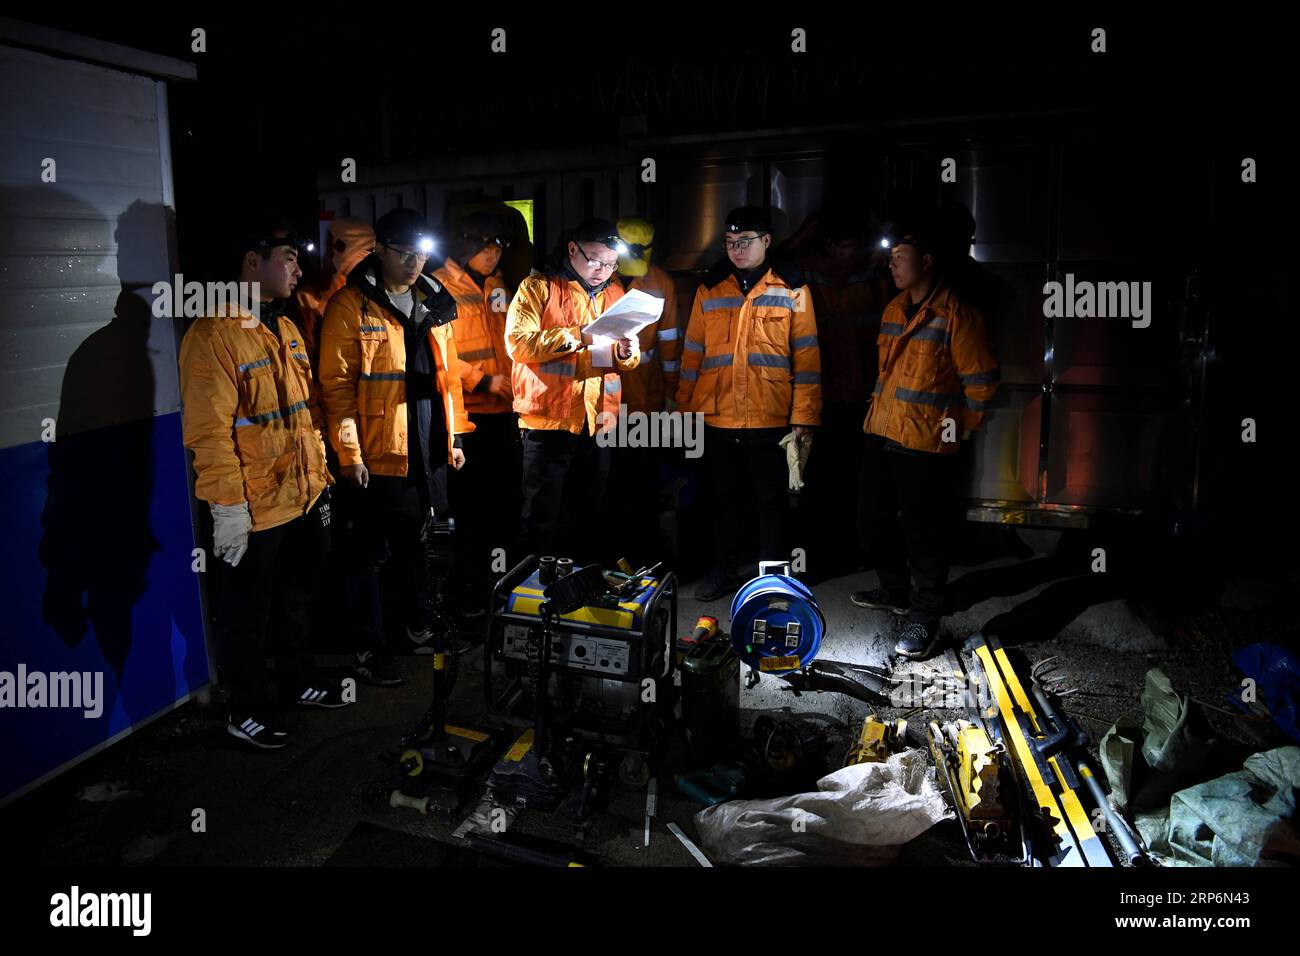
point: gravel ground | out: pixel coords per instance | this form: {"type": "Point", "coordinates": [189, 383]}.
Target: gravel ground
{"type": "Point", "coordinates": [298, 807]}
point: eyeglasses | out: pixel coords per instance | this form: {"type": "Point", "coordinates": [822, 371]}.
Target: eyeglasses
{"type": "Point", "coordinates": [407, 258]}
{"type": "Point", "coordinates": [740, 244]}
{"type": "Point", "coordinates": [595, 263]}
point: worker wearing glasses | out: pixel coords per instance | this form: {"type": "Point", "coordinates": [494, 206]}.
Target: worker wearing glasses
{"type": "Point", "coordinates": [566, 389]}
{"type": "Point", "coordinates": [751, 366]}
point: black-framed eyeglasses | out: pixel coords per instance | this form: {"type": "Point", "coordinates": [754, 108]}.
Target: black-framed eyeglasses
{"type": "Point", "coordinates": [596, 263]}
{"type": "Point", "coordinates": [740, 244]}
{"type": "Point", "coordinates": [407, 257]}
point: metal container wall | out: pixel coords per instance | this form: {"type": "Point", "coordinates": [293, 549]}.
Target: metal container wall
{"type": "Point", "coordinates": [1092, 413]}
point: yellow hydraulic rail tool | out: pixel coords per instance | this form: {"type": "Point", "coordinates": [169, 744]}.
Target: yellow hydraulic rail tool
{"type": "Point", "coordinates": [976, 774]}
{"type": "Point", "coordinates": [876, 741]}
{"type": "Point", "coordinates": [1036, 740]}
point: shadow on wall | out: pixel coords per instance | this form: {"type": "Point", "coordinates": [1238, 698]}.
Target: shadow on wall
{"type": "Point", "coordinates": [98, 540]}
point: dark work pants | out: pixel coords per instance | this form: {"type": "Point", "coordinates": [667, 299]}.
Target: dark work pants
{"type": "Point", "coordinates": [380, 522]}
{"type": "Point", "coordinates": [830, 488]}
{"type": "Point", "coordinates": [737, 456]}
{"type": "Point", "coordinates": [564, 493]}
{"type": "Point", "coordinates": [907, 519]}
{"type": "Point", "coordinates": [265, 604]}
{"type": "Point", "coordinates": [486, 500]}
{"type": "Point", "coordinates": [632, 504]}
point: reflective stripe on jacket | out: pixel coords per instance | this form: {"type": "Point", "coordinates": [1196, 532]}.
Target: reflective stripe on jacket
{"type": "Point", "coordinates": [250, 417]}
{"type": "Point", "coordinates": [939, 365]}
{"type": "Point", "coordinates": [848, 323]}
{"type": "Point", "coordinates": [646, 386]}
{"type": "Point", "coordinates": [363, 379]}
{"type": "Point", "coordinates": [480, 330]}
{"type": "Point", "coordinates": [555, 384]}
{"type": "Point", "coordinates": [752, 361]}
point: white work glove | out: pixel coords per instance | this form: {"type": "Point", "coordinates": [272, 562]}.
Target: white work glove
{"type": "Point", "coordinates": [796, 456]}
{"type": "Point", "coordinates": [230, 527]}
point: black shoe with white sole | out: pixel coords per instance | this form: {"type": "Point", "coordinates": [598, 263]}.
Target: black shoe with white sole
{"type": "Point", "coordinates": [379, 668]}
{"type": "Point", "coordinates": [256, 732]}
{"type": "Point", "coordinates": [918, 641]}
{"type": "Point", "coordinates": [327, 694]}
{"type": "Point", "coordinates": [878, 599]}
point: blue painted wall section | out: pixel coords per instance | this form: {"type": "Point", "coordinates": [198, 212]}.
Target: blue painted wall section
{"type": "Point", "coordinates": [97, 546]}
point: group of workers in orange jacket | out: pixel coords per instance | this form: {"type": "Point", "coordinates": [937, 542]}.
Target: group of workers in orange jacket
{"type": "Point", "coordinates": [415, 391]}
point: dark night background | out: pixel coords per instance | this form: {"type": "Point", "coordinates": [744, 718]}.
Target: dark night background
{"type": "Point", "coordinates": [284, 92]}
{"type": "Point", "coordinates": [1139, 150]}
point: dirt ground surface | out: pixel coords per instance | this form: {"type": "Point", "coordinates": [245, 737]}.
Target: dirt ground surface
{"type": "Point", "coordinates": [304, 807]}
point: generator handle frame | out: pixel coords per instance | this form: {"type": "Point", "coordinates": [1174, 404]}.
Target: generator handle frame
{"type": "Point", "coordinates": [512, 579]}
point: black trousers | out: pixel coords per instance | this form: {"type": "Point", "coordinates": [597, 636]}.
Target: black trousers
{"type": "Point", "coordinates": [734, 457]}
{"type": "Point", "coordinates": [632, 504]}
{"type": "Point", "coordinates": [564, 493]}
{"type": "Point", "coordinates": [382, 522]}
{"type": "Point", "coordinates": [486, 499]}
{"type": "Point", "coordinates": [265, 605]}
{"type": "Point", "coordinates": [831, 480]}
{"type": "Point", "coordinates": [907, 519]}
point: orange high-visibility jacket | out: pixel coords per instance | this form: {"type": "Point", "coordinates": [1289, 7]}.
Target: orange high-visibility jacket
{"type": "Point", "coordinates": [363, 375]}
{"type": "Point", "coordinates": [480, 332]}
{"type": "Point", "coordinates": [752, 361]}
{"type": "Point", "coordinates": [938, 365]}
{"type": "Point", "coordinates": [646, 386]}
{"type": "Point", "coordinates": [350, 241]}
{"type": "Point", "coordinates": [848, 323]}
{"type": "Point", "coordinates": [556, 386]}
{"type": "Point", "coordinates": [250, 418]}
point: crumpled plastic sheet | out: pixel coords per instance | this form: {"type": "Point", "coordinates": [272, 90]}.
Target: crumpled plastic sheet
{"type": "Point", "coordinates": [858, 815]}
{"type": "Point", "coordinates": [1241, 819]}
{"type": "Point", "coordinates": [1146, 764]}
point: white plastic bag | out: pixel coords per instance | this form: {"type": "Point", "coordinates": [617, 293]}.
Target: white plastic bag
{"type": "Point", "coordinates": [858, 815]}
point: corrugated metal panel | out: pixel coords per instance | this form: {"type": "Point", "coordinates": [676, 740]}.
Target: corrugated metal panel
{"type": "Point", "coordinates": [71, 246]}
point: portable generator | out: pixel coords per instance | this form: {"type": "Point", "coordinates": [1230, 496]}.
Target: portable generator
{"type": "Point", "coordinates": [581, 660]}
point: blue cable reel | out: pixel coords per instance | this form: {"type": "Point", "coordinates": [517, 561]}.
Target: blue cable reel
{"type": "Point", "coordinates": [776, 625]}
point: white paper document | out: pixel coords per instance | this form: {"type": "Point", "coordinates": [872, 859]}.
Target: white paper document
{"type": "Point", "coordinates": [628, 316]}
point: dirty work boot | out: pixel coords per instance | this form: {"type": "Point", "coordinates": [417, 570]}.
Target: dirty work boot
{"type": "Point", "coordinates": [718, 584]}
{"type": "Point", "coordinates": [878, 599]}
{"type": "Point", "coordinates": [918, 641]}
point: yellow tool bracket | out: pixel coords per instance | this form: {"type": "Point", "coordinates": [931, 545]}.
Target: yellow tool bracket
{"type": "Point", "coordinates": [527, 600]}
{"type": "Point", "coordinates": [1078, 843]}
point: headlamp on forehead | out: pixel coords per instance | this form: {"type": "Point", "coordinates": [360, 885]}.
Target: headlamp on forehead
{"type": "Point", "coordinates": [266, 241]}
{"type": "Point", "coordinates": [484, 241]}
{"type": "Point", "coordinates": [635, 250]}
{"type": "Point", "coordinates": [425, 245]}
{"type": "Point", "coordinates": [886, 242]}
{"type": "Point", "coordinates": [749, 219]}
{"type": "Point", "coordinates": [619, 246]}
